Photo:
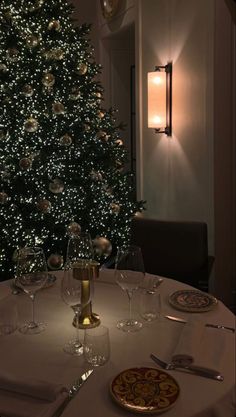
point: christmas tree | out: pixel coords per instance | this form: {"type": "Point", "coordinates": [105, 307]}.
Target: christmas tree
{"type": "Point", "coordinates": [61, 154]}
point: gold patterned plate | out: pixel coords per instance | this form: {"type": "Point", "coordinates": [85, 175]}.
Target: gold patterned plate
{"type": "Point", "coordinates": [49, 283]}
{"type": "Point", "coordinates": [192, 301]}
{"type": "Point", "coordinates": [145, 390]}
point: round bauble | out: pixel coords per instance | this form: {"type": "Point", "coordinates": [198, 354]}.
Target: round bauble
{"type": "Point", "coordinates": [3, 68]}
{"type": "Point", "coordinates": [57, 54]}
{"type": "Point", "coordinates": [56, 186]}
{"type": "Point", "coordinates": [55, 261]}
{"type": "Point", "coordinates": [32, 41]}
{"type": "Point", "coordinates": [98, 95]}
{"type": "Point", "coordinates": [100, 114]}
{"type": "Point", "coordinates": [27, 90]}
{"type": "Point", "coordinates": [54, 25]}
{"type": "Point", "coordinates": [96, 175]}
{"type": "Point", "coordinates": [3, 197]}
{"type": "Point", "coordinates": [74, 229]}
{"type": "Point", "coordinates": [2, 134]}
{"type": "Point", "coordinates": [44, 206]}
{"type": "Point", "coordinates": [58, 108]}
{"type": "Point", "coordinates": [102, 246]}
{"type": "Point", "coordinates": [115, 208]}
{"type": "Point", "coordinates": [48, 79]}
{"type": "Point", "coordinates": [25, 163]}
{"type": "Point", "coordinates": [119, 142]}
{"type": "Point", "coordinates": [12, 54]}
{"type": "Point", "coordinates": [31, 125]}
{"type": "Point", "coordinates": [66, 140]}
{"type": "Point", "coordinates": [75, 93]}
{"type": "Point", "coordinates": [82, 69]}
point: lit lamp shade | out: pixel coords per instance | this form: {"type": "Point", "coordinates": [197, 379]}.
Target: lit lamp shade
{"type": "Point", "coordinates": [157, 99]}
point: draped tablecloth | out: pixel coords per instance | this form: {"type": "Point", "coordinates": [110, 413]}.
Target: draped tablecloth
{"type": "Point", "coordinates": [41, 356]}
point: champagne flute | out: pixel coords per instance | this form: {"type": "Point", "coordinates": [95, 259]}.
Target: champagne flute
{"type": "Point", "coordinates": [129, 273]}
{"type": "Point", "coordinates": [31, 275]}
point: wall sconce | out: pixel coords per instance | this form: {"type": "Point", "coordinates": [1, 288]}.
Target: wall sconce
{"type": "Point", "coordinates": [160, 99]}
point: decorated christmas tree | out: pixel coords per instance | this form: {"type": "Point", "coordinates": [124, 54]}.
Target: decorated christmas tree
{"type": "Point", "coordinates": [61, 153]}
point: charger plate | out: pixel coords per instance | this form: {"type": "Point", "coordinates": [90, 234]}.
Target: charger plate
{"type": "Point", "coordinates": [192, 301]}
{"type": "Point", "coordinates": [145, 390]}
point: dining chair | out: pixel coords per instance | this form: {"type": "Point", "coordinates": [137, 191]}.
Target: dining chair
{"type": "Point", "coordinates": [174, 249]}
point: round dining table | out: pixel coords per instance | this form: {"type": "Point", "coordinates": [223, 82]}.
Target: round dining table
{"type": "Point", "coordinates": [41, 356]}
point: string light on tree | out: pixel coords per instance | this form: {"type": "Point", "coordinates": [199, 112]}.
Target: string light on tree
{"type": "Point", "coordinates": [61, 159]}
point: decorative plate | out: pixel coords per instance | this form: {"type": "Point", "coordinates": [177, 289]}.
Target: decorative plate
{"type": "Point", "coordinates": [192, 301]}
{"type": "Point", "coordinates": [145, 390]}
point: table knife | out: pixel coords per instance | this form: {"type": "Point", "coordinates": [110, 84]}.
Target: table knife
{"type": "Point", "coordinates": [215, 326]}
{"type": "Point", "coordinates": [73, 391]}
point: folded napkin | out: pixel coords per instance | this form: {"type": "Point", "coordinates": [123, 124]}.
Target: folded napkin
{"type": "Point", "coordinates": [198, 343]}
{"type": "Point", "coordinates": [29, 398]}
{"type": "Point", "coordinates": [189, 341]}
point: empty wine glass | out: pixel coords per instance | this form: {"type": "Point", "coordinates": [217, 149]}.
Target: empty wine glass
{"type": "Point", "coordinates": [72, 295]}
{"type": "Point", "coordinates": [31, 275]}
{"type": "Point", "coordinates": [129, 273]}
{"type": "Point", "coordinates": [80, 248]}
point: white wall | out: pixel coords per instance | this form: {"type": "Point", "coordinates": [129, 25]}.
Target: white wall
{"type": "Point", "coordinates": [178, 171]}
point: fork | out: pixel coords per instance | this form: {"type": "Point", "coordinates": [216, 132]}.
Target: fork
{"type": "Point", "coordinates": [197, 370]}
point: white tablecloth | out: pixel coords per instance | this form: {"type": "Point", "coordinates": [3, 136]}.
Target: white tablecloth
{"type": "Point", "coordinates": [41, 356]}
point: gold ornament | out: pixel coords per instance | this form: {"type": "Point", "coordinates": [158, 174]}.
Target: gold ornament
{"type": "Point", "coordinates": [55, 261]}
{"type": "Point", "coordinates": [66, 140]}
{"type": "Point", "coordinates": [54, 25]}
{"type": "Point", "coordinates": [102, 246]}
{"type": "Point", "coordinates": [3, 68]}
{"type": "Point", "coordinates": [119, 142]}
{"type": "Point", "coordinates": [100, 114]}
{"type": "Point", "coordinates": [74, 229]}
{"type": "Point", "coordinates": [12, 54]}
{"type": "Point", "coordinates": [58, 108]}
{"type": "Point", "coordinates": [75, 93]}
{"type": "Point", "coordinates": [96, 175]}
{"type": "Point", "coordinates": [82, 69]}
{"type": "Point", "coordinates": [27, 90]}
{"type": "Point", "coordinates": [31, 125]}
{"type": "Point", "coordinates": [55, 53]}
{"type": "Point", "coordinates": [56, 186]}
{"type": "Point", "coordinates": [2, 134]}
{"type": "Point", "coordinates": [3, 197]}
{"type": "Point", "coordinates": [32, 41]}
{"type": "Point", "coordinates": [48, 79]}
{"type": "Point", "coordinates": [115, 208]}
{"type": "Point", "coordinates": [44, 206]}
{"type": "Point", "coordinates": [98, 95]}
{"type": "Point", "coordinates": [25, 163]}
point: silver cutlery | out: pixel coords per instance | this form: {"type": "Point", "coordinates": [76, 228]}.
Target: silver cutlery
{"type": "Point", "coordinates": [215, 326]}
{"type": "Point", "coordinates": [74, 389]}
{"type": "Point", "coordinates": [196, 370]}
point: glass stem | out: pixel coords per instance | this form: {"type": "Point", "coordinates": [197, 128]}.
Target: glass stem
{"type": "Point", "coordinates": [32, 296]}
{"type": "Point", "coordinates": [77, 315]}
{"type": "Point", "coordinates": [129, 293]}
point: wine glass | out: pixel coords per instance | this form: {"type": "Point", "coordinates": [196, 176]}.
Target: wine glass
{"type": "Point", "coordinates": [129, 274]}
{"type": "Point", "coordinates": [79, 249]}
{"type": "Point", "coordinates": [72, 295]}
{"type": "Point", "coordinates": [31, 275]}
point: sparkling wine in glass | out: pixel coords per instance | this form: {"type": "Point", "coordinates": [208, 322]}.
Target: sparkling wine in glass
{"type": "Point", "coordinates": [129, 274]}
{"type": "Point", "coordinates": [31, 275]}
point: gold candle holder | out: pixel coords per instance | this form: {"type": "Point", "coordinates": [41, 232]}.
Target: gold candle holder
{"type": "Point", "coordinates": [86, 271]}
